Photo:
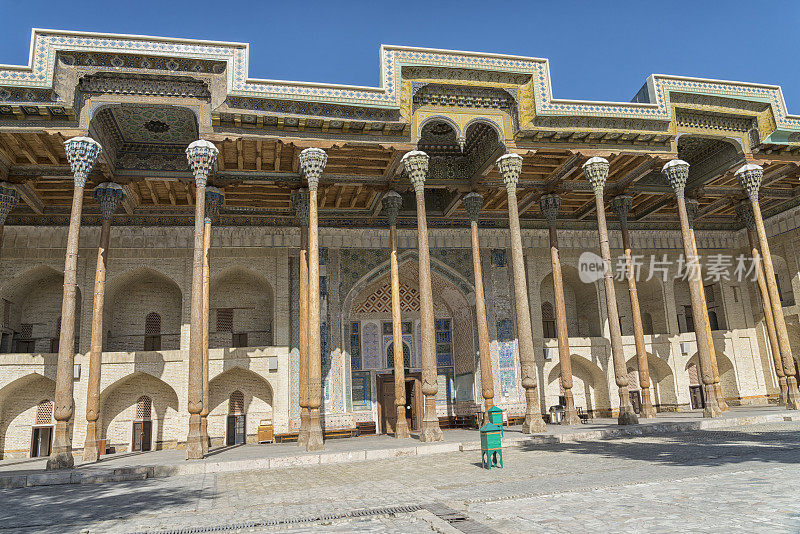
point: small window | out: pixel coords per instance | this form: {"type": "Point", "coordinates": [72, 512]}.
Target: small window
{"type": "Point", "coordinates": [225, 320]}
{"type": "Point", "coordinates": [236, 403]}
{"type": "Point", "coordinates": [152, 331]}
{"type": "Point", "coordinates": [44, 412]}
{"type": "Point", "coordinates": [548, 320]}
{"type": "Point", "coordinates": [144, 408]}
{"type": "Point", "coordinates": [499, 257]}
{"type": "Point", "coordinates": [239, 340]}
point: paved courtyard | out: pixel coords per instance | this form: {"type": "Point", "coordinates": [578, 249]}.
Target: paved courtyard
{"type": "Point", "coordinates": [742, 479]}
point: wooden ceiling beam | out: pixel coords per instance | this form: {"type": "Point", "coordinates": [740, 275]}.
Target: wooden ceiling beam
{"type": "Point", "coordinates": [31, 197]}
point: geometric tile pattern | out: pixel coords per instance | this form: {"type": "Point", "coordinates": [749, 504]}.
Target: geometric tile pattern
{"type": "Point", "coordinates": [381, 300]}
{"type": "Point", "coordinates": [653, 101]}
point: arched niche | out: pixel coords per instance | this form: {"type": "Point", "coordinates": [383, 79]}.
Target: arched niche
{"type": "Point", "coordinates": [118, 410]}
{"type": "Point", "coordinates": [34, 304]}
{"type": "Point", "coordinates": [257, 400]}
{"type": "Point", "coordinates": [133, 296]}
{"type": "Point", "coordinates": [727, 375]}
{"type": "Point", "coordinates": [580, 301]}
{"type": "Point", "coordinates": [662, 382]}
{"type": "Point", "coordinates": [18, 409]}
{"type": "Point", "coordinates": [589, 387]}
{"type": "Point", "coordinates": [242, 307]}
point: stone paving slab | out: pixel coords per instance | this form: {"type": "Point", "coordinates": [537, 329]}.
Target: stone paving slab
{"type": "Point", "coordinates": [160, 464]}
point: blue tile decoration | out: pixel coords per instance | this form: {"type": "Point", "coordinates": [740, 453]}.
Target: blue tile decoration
{"type": "Point", "coordinates": [361, 390]}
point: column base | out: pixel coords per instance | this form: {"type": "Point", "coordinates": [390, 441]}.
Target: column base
{"type": "Point", "coordinates": [533, 424]}
{"type": "Point", "coordinates": [302, 434]}
{"type": "Point", "coordinates": [712, 407]}
{"type": "Point", "coordinates": [570, 413]}
{"type": "Point", "coordinates": [627, 416]}
{"type": "Point", "coordinates": [315, 438]}
{"type": "Point", "coordinates": [194, 441]}
{"type": "Point", "coordinates": [91, 450]}
{"type": "Point", "coordinates": [720, 397]}
{"type": "Point", "coordinates": [401, 426]}
{"type": "Point", "coordinates": [792, 394]}
{"type": "Point", "coordinates": [784, 391]}
{"type": "Point", "coordinates": [204, 433]}
{"type": "Point", "coordinates": [430, 430]}
{"type": "Point", "coordinates": [61, 452]}
{"type": "Point", "coordinates": [648, 411]}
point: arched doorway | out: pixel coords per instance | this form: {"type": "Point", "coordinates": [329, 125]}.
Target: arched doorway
{"type": "Point", "coordinates": [26, 416]}
{"type": "Point", "coordinates": [133, 411]}
{"type": "Point", "coordinates": [367, 315]}
{"type": "Point", "coordinates": [142, 312]}
{"type": "Point", "coordinates": [239, 400]}
{"type": "Point", "coordinates": [580, 303]}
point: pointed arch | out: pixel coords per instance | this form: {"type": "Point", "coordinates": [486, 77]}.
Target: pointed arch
{"type": "Point", "coordinates": [125, 401]}
{"type": "Point", "coordinates": [589, 386]}
{"type": "Point", "coordinates": [257, 400]}
{"type": "Point", "coordinates": [20, 403]}
{"type": "Point", "coordinates": [727, 375]}
{"type": "Point", "coordinates": [662, 381]}
{"type": "Point", "coordinates": [134, 297]}
{"type": "Point", "coordinates": [242, 305]}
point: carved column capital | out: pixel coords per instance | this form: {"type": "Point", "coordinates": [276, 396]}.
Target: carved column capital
{"type": "Point", "coordinates": [82, 153]}
{"type": "Point", "coordinates": [201, 155]}
{"type": "Point", "coordinates": [509, 166]}
{"type": "Point", "coordinates": [312, 163]}
{"type": "Point", "coordinates": [215, 198]}
{"type": "Point", "coordinates": [549, 205]}
{"type": "Point", "coordinates": [9, 196]}
{"type": "Point", "coordinates": [676, 172]}
{"type": "Point", "coordinates": [621, 205]}
{"type": "Point", "coordinates": [392, 201]}
{"type": "Point", "coordinates": [416, 165]}
{"type": "Point", "coordinates": [473, 202]}
{"type": "Point", "coordinates": [749, 177]}
{"type": "Point", "coordinates": [744, 211]}
{"type": "Point", "coordinates": [300, 205]}
{"type": "Point", "coordinates": [109, 195]}
{"type": "Point", "coordinates": [692, 207]}
{"type": "Point", "coordinates": [596, 171]}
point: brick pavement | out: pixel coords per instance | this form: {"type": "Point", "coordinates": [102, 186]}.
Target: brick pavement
{"type": "Point", "coordinates": [745, 476]}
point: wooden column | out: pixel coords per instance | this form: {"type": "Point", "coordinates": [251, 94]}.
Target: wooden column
{"type": "Point", "coordinates": [300, 203]}
{"type": "Point", "coordinates": [391, 205]}
{"type": "Point", "coordinates": [416, 167]}
{"type": "Point", "coordinates": [549, 205]}
{"type": "Point", "coordinates": [9, 197]}
{"type": "Point", "coordinates": [214, 200]}
{"type": "Point", "coordinates": [108, 195]}
{"type": "Point", "coordinates": [676, 173]}
{"type": "Point", "coordinates": [621, 206]}
{"type": "Point", "coordinates": [596, 171]}
{"type": "Point", "coordinates": [692, 207]}
{"type": "Point", "coordinates": [473, 202]}
{"type": "Point", "coordinates": [81, 152]}
{"type": "Point", "coordinates": [509, 166]}
{"type": "Point", "coordinates": [749, 177]}
{"type": "Point", "coordinates": [312, 162]}
{"type": "Point", "coordinates": [201, 156]}
{"type": "Point", "coordinates": [745, 214]}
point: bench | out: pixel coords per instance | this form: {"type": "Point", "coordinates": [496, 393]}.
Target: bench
{"type": "Point", "coordinates": [366, 428]}
{"type": "Point", "coordinates": [284, 438]}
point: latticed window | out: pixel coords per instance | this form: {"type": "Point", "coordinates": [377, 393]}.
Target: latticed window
{"type": "Point", "coordinates": [548, 320]}
{"type": "Point", "coordinates": [152, 331]}
{"type": "Point", "coordinates": [152, 324]}
{"type": "Point", "coordinates": [26, 331]}
{"type": "Point", "coordinates": [236, 403]}
{"type": "Point", "coordinates": [499, 257]}
{"type": "Point", "coordinates": [355, 346]}
{"type": "Point", "coordinates": [144, 408]}
{"type": "Point", "coordinates": [44, 412]}
{"type": "Point", "coordinates": [225, 320]}
{"type": "Point", "coordinates": [444, 344]}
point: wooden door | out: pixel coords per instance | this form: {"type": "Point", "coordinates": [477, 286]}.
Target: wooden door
{"type": "Point", "coordinates": [41, 441]}
{"type": "Point", "coordinates": [146, 436]}
{"type": "Point", "coordinates": [696, 396]}
{"type": "Point", "coordinates": [636, 400]}
{"type": "Point", "coordinates": [237, 433]}
{"type": "Point", "coordinates": [387, 406]}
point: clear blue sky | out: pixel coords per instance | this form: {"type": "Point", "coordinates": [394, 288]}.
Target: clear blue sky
{"type": "Point", "coordinates": [598, 50]}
